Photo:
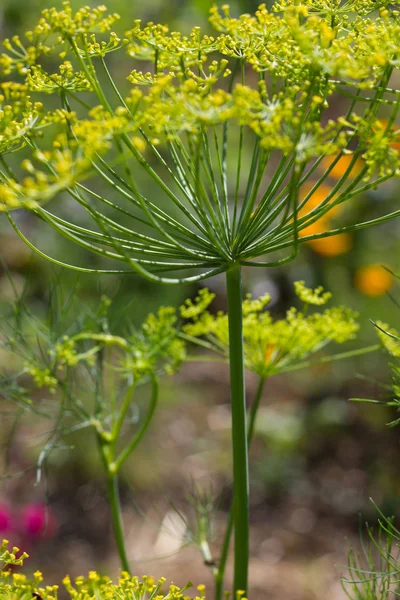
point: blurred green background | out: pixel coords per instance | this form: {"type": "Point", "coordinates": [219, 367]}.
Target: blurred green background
{"type": "Point", "coordinates": [317, 458]}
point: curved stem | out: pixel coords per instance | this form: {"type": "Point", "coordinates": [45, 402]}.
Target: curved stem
{"type": "Point", "coordinates": [219, 577]}
{"type": "Point", "coordinates": [239, 429]}
{"type": "Point", "coordinates": [116, 430]}
{"type": "Point", "coordinates": [135, 441]}
{"type": "Point", "coordinates": [115, 505]}
{"type": "Point", "coordinates": [254, 409]}
{"type": "Point", "coordinates": [113, 465]}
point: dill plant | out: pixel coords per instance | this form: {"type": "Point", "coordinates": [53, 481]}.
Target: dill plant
{"type": "Point", "coordinates": [267, 80]}
{"type": "Point", "coordinates": [94, 374]}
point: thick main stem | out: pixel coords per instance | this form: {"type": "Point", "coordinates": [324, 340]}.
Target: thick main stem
{"type": "Point", "coordinates": [220, 573]}
{"type": "Point", "coordinates": [116, 515]}
{"type": "Point", "coordinates": [239, 429]}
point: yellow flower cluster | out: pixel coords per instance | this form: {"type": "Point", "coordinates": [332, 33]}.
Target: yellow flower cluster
{"type": "Point", "coordinates": [134, 588]}
{"type": "Point", "coordinates": [295, 39]}
{"type": "Point", "coordinates": [389, 337]}
{"type": "Point", "coordinates": [293, 42]}
{"type": "Point", "coordinates": [171, 50]}
{"type": "Point", "coordinates": [270, 345]}
{"type": "Point", "coordinates": [317, 296]}
{"type": "Point", "coordinates": [11, 557]}
{"type": "Point", "coordinates": [95, 48]}
{"type": "Point", "coordinates": [20, 58]}
{"type": "Point", "coordinates": [96, 133]}
{"type": "Point", "coordinates": [67, 24]}
{"type": "Point", "coordinates": [68, 161]}
{"type": "Point", "coordinates": [168, 110]}
{"type": "Point", "coordinates": [16, 586]}
{"type": "Point", "coordinates": [381, 152]}
{"type": "Point", "coordinates": [153, 349]}
{"type": "Point", "coordinates": [39, 81]}
{"type": "Point", "coordinates": [19, 116]}
{"type": "Point", "coordinates": [64, 166]}
{"type": "Point", "coordinates": [42, 376]}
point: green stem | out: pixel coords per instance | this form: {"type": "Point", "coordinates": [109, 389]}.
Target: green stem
{"type": "Point", "coordinates": [112, 465]}
{"type": "Point", "coordinates": [219, 576]}
{"type": "Point", "coordinates": [115, 505]}
{"type": "Point", "coordinates": [107, 455]}
{"type": "Point", "coordinates": [116, 430]}
{"type": "Point", "coordinates": [254, 409]}
{"type": "Point", "coordinates": [239, 429]}
{"type": "Point", "coordinates": [220, 572]}
{"type": "Point", "coordinates": [135, 441]}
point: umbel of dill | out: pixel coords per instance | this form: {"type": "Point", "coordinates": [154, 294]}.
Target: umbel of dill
{"type": "Point", "coordinates": [305, 85]}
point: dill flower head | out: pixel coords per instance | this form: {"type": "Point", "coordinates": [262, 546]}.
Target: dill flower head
{"type": "Point", "coordinates": [11, 557]}
{"type": "Point", "coordinates": [19, 587]}
{"type": "Point", "coordinates": [389, 337]}
{"type": "Point", "coordinates": [308, 87]}
{"type": "Point", "coordinates": [153, 349]}
{"type": "Point", "coordinates": [273, 345]}
{"type": "Point", "coordinates": [132, 587]}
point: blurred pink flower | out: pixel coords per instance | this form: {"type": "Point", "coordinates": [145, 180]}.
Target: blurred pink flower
{"type": "Point", "coordinates": [37, 521]}
{"type": "Point", "coordinates": [5, 518]}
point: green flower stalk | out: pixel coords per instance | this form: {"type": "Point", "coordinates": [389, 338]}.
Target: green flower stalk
{"type": "Point", "coordinates": [114, 365]}
{"type": "Point", "coordinates": [267, 82]}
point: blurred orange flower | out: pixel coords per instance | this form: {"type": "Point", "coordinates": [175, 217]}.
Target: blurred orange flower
{"type": "Point", "coordinates": [340, 168]}
{"type": "Point", "coordinates": [383, 123]}
{"type": "Point", "coordinates": [268, 353]}
{"type": "Point", "coordinates": [332, 245]}
{"type": "Point", "coordinates": [373, 280]}
{"type": "Point", "coordinates": [315, 199]}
